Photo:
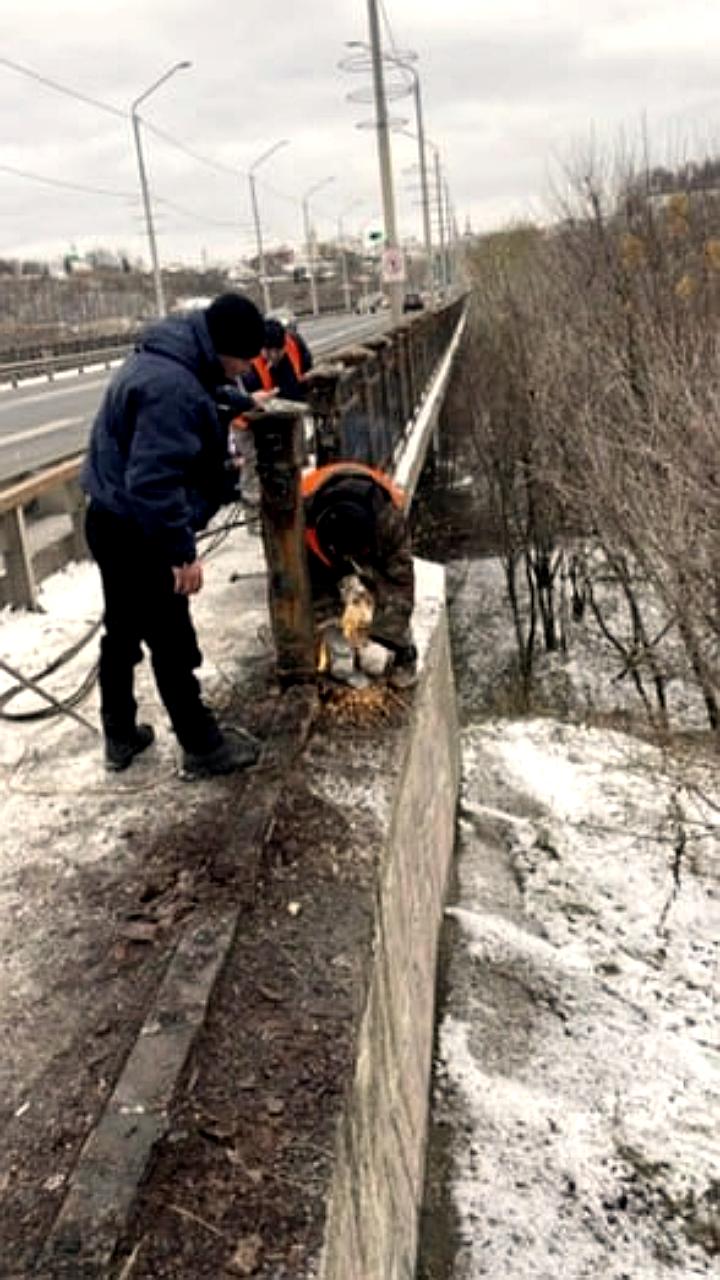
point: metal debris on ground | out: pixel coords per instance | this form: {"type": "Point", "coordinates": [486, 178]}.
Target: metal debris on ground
{"type": "Point", "coordinates": [376, 704]}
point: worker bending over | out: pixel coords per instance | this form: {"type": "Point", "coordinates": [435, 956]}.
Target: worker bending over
{"type": "Point", "coordinates": [282, 365]}
{"type": "Point", "coordinates": [355, 523]}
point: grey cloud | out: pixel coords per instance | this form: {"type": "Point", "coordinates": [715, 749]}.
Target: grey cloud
{"type": "Point", "coordinates": [506, 87]}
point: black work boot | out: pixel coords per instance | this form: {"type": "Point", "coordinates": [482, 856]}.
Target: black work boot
{"type": "Point", "coordinates": [120, 752]}
{"type": "Point", "coordinates": [236, 750]}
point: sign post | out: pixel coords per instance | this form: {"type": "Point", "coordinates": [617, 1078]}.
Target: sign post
{"type": "Point", "coordinates": [393, 265]}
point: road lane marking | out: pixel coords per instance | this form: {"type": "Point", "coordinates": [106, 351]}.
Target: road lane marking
{"type": "Point", "coordinates": [32, 433]}
{"type": "Point", "coordinates": [19, 400]}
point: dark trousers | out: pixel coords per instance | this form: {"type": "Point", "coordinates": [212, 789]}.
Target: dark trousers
{"type": "Point", "coordinates": [142, 607]}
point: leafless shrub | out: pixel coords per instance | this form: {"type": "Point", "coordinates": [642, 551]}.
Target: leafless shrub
{"type": "Point", "coordinates": [592, 375]}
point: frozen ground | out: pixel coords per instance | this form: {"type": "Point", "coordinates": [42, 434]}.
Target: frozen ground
{"type": "Point", "coordinates": [577, 1094]}
{"type": "Point", "coordinates": [63, 820]}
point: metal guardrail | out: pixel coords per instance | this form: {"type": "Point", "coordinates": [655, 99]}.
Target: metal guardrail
{"type": "Point", "coordinates": [47, 366]}
{"type": "Point", "coordinates": [362, 406]}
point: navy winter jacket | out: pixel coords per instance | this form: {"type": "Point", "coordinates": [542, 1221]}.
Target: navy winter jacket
{"type": "Point", "coordinates": [158, 449]}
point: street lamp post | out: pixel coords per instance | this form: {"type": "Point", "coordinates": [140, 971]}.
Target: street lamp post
{"type": "Point", "coordinates": [384, 157]}
{"type": "Point", "coordinates": [443, 277]}
{"type": "Point", "coordinates": [159, 295]}
{"type": "Point", "coordinates": [443, 274]}
{"type": "Point", "coordinates": [422, 158]}
{"type": "Point", "coordinates": [347, 292]}
{"type": "Point", "coordinates": [264, 284]}
{"type": "Point", "coordinates": [309, 244]}
{"type": "Point", "coordinates": [405, 62]}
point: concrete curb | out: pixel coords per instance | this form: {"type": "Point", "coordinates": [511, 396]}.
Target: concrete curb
{"type": "Point", "coordinates": [116, 1155]}
{"type": "Point", "coordinates": [371, 1230]}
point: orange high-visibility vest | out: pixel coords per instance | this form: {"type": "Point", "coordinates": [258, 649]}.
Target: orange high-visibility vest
{"type": "Point", "coordinates": [264, 372]}
{"type": "Point", "coordinates": [314, 480]}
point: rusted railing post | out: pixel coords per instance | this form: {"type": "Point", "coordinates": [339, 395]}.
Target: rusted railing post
{"type": "Point", "coordinates": [279, 449]}
{"type": "Point", "coordinates": [323, 401]}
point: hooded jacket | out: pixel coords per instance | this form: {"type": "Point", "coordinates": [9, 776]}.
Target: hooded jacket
{"type": "Point", "coordinates": [158, 449]}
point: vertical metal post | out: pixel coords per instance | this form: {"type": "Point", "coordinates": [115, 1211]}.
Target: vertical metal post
{"type": "Point", "coordinates": [310, 254]}
{"type": "Point", "coordinates": [449, 273]}
{"type": "Point", "coordinates": [441, 218]}
{"type": "Point", "coordinates": [264, 283]}
{"type": "Point", "coordinates": [323, 391]}
{"type": "Point", "coordinates": [384, 157]}
{"type": "Point", "coordinates": [259, 243]}
{"type": "Point", "coordinates": [177, 66]}
{"type": "Point", "coordinates": [157, 277]}
{"type": "Point", "coordinates": [21, 587]}
{"type": "Point", "coordinates": [422, 157]}
{"type": "Point", "coordinates": [279, 447]}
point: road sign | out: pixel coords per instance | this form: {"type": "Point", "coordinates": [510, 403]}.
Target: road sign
{"type": "Point", "coordinates": [373, 239]}
{"type": "Point", "coordinates": [393, 266]}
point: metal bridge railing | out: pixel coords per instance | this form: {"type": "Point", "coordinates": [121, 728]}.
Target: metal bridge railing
{"type": "Point", "coordinates": [362, 405]}
{"type": "Point", "coordinates": [46, 366]}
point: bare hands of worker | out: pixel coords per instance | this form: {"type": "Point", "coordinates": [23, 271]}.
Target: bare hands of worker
{"type": "Point", "coordinates": [261, 397]}
{"type": "Point", "coordinates": [188, 578]}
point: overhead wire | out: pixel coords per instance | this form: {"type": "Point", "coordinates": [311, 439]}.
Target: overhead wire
{"type": "Point", "coordinates": [64, 183]}
{"type": "Point", "coordinates": [62, 88]}
{"type": "Point", "coordinates": [388, 28]}
{"type": "Point", "coordinates": [218, 165]}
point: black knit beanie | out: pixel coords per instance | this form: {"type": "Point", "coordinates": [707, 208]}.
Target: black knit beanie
{"type": "Point", "coordinates": [274, 335]}
{"type": "Point", "coordinates": [236, 326]}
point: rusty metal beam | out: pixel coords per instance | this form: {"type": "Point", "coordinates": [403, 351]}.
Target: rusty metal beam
{"type": "Point", "coordinates": [279, 449]}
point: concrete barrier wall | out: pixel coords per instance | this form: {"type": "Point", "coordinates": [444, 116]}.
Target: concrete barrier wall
{"type": "Point", "coordinates": [377, 1185]}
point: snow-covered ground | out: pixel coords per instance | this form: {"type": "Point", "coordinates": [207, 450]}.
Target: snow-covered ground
{"type": "Point", "coordinates": [63, 819]}
{"type": "Point", "coordinates": [579, 1049]}
{"type": "Point", "coordinates": [578, 1066]}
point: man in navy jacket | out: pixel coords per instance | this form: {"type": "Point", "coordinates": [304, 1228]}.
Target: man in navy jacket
{"type": "Point", "coordinates": [157, 470]}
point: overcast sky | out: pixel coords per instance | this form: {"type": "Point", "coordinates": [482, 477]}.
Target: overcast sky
{"type": "Point", "coordinates": [512, 89]}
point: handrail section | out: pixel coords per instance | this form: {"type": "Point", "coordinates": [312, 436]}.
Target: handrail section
{"type": "Point", "coordinates": [363, 401]}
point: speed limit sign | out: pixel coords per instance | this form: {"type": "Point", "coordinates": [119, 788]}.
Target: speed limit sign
{"type": "Point", "coordinates": [393, 266]}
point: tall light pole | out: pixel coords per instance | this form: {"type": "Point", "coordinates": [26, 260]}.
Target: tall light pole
{"type": "Point", "coordinates": [343, 255]}
{"type": "Point", "coordinates": [450, 224]}
{"type": "Point", "coordinates": [159, 295]}
{"type": "Point", "coordinates": [256, 217]}
{"type": "Point", "coordinates": [309, 244]}
{"type": "Point", "coordinates": [441, 218]}
{"type": "Point", "coordinates": [440, 210]}
{"type": "Point", "coordinates": [384, 157]}
{"type": "Point", "coordinates": [422, 159]}
{"type": "Point", "coordinates": [406, 64]}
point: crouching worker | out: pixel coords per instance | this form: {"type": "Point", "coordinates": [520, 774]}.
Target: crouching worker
{"type": "Point", "coordinates": [355, 524]}
{"type": "Point", "coordinates": [156, 472]}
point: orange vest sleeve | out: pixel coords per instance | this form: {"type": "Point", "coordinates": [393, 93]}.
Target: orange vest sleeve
{"type": "Point", "coordinates": [292, 350]}
{"type": "Point", "coordinates": [262, 369]}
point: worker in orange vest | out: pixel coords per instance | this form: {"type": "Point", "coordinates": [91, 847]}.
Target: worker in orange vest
{"type": "Point", "coordinates": [356, 523]}
{"type": "Point", "coordinates": [282, 365]}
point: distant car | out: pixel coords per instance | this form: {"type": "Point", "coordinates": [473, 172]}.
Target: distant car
{"type": "Point", "coordinates": [413, 302]}
{"type": "Point", "coordinates": [369, 303]}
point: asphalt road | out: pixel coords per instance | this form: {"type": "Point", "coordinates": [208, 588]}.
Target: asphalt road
{"type": "Point", "coordinates": [43, 422]}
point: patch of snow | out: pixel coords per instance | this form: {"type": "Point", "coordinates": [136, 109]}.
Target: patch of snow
{"type": "Point", "coordinates": [578, 1062]}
